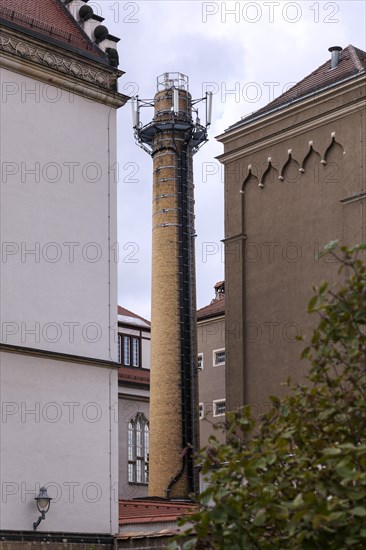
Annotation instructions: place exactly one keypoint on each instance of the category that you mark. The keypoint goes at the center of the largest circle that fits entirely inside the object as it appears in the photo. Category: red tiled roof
(128, 313)
(217, 307)
(48, 18)
(352, 62)
(153, 511)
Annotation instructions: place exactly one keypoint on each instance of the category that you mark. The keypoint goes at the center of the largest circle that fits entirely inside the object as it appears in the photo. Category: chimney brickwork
(167, 464)
(171, 139)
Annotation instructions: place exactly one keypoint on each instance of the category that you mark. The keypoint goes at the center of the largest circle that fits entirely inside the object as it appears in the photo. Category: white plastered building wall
(58, 221)
(59, 429)
(58, 296)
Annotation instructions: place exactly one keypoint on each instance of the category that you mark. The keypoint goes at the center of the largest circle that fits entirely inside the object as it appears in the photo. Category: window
(219, 407)
(200, 361)
(138, 449)
(218, 357)
(129, 351)
(119, 348)
(201, 410)
(126, 351)
(135, 352)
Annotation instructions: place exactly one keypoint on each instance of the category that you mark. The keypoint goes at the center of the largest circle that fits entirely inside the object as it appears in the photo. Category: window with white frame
(138, 450)
(126, 351)
(219, 407)
(129, 350)
(135, 352)
(201, 410)
(218, 357)
(200, 361)
(119, 348)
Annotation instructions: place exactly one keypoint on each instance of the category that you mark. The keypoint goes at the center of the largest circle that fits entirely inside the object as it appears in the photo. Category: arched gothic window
(138, 449)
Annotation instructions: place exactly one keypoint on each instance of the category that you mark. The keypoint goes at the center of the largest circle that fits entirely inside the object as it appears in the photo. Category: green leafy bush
(298, 480)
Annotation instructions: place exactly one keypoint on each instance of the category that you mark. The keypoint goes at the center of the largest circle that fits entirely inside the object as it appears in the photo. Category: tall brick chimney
(171, 138)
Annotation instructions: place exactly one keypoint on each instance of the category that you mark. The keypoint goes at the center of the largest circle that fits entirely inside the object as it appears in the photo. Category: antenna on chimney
(208, 108)
(336, 55)
(135, 112)
(175, 101)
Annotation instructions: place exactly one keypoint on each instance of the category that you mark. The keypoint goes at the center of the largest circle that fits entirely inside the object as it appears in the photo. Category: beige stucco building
(58, 346)
(294, 180)
(211, 366)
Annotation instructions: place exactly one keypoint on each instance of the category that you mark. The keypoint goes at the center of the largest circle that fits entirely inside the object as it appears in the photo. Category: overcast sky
(247, 53)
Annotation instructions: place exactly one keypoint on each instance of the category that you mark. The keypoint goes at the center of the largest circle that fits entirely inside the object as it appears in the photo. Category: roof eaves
(147, 534)
(126, 312)
(149, 519)
(212, 316)
(133, 323)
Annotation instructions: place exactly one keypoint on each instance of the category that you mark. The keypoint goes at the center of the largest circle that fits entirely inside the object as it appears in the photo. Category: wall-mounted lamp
(43, 505)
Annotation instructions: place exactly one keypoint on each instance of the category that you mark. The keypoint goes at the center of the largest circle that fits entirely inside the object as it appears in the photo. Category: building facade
(294, 180)
(58, 353)
(134, 334)
(133, 404)
(211, 366)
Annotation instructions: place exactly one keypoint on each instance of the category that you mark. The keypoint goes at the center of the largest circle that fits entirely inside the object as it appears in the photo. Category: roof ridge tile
(354, 54)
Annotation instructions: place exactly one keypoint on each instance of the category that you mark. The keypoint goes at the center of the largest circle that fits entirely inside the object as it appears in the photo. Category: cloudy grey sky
(247, 53)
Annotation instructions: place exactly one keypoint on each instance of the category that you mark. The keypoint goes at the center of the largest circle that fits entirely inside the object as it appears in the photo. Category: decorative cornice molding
(27, 56)
(285, 135)
(233, 238)
(62, 63)
(56, 356)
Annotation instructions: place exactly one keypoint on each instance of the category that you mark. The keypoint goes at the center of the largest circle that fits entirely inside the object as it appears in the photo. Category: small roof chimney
(219, 291)
(336, 55)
